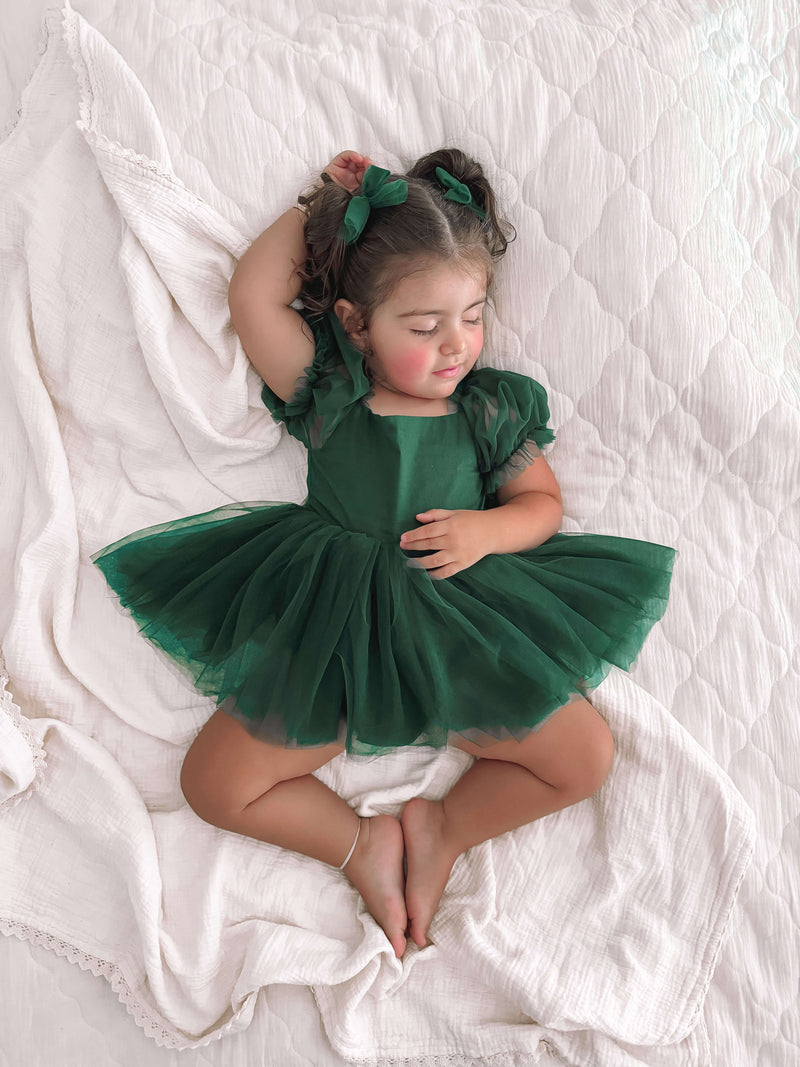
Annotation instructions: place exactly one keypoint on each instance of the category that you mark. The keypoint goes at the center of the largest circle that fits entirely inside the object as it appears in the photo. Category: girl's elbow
(236, 294)
(558, 513)
(551, 502)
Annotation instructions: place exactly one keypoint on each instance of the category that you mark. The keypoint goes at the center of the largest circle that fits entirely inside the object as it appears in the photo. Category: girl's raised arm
(275, 338)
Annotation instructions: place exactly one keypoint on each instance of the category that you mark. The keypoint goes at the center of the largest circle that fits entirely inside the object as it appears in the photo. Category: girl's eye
(431, 332)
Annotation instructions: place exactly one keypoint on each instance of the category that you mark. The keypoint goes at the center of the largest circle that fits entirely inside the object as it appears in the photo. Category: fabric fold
(22, 758)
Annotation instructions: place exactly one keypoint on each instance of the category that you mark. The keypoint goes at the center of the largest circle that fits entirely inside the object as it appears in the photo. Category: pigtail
(398, 238)
(497, 232)
(327, 253)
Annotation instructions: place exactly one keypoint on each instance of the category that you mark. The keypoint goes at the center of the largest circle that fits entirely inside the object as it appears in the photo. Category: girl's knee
(581, 752)
(219, 776)
(597, 757)
(200, 791)
(226, 769)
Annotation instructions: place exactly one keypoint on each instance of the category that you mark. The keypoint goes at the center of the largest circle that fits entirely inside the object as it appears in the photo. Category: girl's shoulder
(507, 412)
(499, 401)
(333, 381)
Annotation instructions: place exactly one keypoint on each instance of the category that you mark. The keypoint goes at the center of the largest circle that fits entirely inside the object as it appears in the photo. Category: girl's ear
(350, 317)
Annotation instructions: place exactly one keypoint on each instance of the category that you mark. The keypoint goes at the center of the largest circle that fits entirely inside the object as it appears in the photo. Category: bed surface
(709, 281)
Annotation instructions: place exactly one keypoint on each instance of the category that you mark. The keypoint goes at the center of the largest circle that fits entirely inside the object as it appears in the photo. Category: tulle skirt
(308, 633)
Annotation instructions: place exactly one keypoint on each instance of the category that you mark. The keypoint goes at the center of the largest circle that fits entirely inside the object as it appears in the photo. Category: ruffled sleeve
(508, 414)
(326, 389)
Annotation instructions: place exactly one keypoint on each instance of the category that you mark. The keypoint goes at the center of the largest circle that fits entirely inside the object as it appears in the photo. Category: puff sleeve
(326, 389)
(508, 415)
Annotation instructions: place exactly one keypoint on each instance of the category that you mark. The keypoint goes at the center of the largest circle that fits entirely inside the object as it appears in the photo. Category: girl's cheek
(477, 346)
(411, 364)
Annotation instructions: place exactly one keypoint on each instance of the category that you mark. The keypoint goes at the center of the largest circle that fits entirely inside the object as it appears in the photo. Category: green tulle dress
(309, 624)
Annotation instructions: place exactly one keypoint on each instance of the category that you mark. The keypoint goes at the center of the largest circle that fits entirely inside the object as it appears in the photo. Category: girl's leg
(239, 783)
(511, 784)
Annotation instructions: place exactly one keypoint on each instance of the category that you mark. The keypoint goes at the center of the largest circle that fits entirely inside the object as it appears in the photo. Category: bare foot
(430, 860)
(376, 870)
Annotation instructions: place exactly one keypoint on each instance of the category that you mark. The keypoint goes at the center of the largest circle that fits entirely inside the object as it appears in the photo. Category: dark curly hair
(397, 239)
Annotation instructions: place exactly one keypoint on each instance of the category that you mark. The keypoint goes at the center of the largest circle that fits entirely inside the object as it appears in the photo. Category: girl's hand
(459, 539)
(347, 169)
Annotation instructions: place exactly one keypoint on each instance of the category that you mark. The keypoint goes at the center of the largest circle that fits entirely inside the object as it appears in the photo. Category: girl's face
(426, 336)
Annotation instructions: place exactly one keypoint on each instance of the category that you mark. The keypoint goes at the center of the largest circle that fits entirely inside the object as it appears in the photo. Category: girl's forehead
(441, 278)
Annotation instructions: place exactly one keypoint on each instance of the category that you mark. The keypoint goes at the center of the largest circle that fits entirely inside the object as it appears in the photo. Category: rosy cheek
(410, 364)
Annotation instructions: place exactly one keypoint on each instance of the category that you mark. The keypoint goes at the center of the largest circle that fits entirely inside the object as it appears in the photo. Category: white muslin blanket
(127, 401)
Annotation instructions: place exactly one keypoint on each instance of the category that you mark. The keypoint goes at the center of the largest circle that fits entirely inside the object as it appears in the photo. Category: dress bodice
(377, 472)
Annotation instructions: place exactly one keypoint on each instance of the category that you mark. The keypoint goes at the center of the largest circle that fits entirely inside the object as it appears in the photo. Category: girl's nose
(453, 343)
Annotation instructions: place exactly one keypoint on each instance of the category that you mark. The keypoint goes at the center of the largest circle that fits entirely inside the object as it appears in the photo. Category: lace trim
(166, 1037)
(154, 1027)
(86, 93)
(229, 234)
(10, 709)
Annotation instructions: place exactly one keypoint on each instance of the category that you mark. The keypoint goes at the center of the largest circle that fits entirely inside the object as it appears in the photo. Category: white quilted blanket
(662, 324)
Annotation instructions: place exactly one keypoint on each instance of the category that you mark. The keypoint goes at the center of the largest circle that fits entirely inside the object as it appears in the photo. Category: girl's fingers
(347, 169)
(446, 572)
(352, 161)
(419, 537)
(430, 563)
(434, 515)
(422, 539)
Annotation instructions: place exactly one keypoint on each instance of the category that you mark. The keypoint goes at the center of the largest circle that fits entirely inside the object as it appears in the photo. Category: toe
(419, 932)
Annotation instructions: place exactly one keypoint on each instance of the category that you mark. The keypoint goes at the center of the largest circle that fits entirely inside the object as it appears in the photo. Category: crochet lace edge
(153, 1027)
(10, 709)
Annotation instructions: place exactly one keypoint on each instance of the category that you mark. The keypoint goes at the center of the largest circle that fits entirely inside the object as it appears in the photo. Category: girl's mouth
(448, 372)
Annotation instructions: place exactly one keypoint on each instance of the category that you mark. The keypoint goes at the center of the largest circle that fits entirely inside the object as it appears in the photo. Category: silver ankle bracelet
(352, 848)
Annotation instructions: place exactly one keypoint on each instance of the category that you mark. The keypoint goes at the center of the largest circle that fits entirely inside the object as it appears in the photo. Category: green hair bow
(375, 192)
(458, 192)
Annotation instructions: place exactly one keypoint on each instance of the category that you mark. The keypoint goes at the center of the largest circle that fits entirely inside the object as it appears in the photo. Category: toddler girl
(422, 594)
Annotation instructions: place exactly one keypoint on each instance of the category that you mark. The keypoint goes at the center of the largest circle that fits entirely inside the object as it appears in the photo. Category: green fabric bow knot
(375, 192)
(458, 192)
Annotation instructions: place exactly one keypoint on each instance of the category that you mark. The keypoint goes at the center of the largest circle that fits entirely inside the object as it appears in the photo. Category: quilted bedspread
(648, 155)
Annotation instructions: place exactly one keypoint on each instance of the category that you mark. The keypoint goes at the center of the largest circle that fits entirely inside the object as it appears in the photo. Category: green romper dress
(309, 624)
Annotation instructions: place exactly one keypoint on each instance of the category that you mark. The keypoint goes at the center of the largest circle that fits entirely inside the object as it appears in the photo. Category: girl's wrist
(522, 523)
(492, 529)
